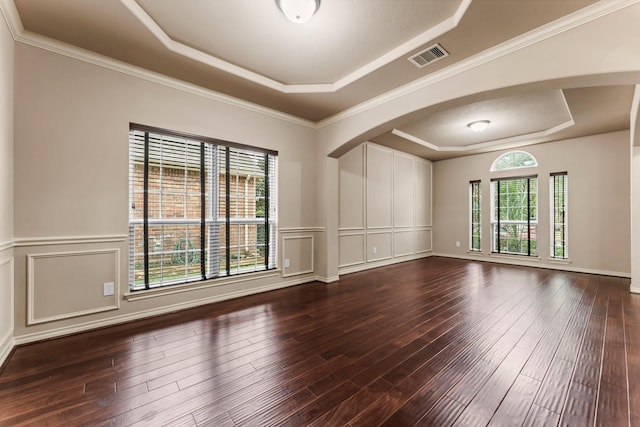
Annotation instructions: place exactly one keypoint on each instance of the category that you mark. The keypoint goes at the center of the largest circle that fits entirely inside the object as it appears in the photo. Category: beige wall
(384, 207)
(71, 195)
(6, 189)
(599, 207)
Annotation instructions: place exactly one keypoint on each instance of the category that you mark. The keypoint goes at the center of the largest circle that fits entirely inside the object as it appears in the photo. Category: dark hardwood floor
(430, 342)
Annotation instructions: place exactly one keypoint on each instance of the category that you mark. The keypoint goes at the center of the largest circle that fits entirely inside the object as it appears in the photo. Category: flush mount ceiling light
(298, 11)
(478, 125)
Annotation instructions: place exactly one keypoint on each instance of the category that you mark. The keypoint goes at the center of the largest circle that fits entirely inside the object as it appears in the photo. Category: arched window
(514, 206)
(514, 160)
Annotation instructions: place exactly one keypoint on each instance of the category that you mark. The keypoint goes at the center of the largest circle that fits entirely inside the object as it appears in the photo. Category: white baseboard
(537, 263)
(327, 279)
(6, 345)
(111, 321)
(383, 263)
(634, 289)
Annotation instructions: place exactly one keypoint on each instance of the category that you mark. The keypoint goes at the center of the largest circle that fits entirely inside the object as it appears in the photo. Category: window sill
(476, 253)
(515, 256)
(194, 286)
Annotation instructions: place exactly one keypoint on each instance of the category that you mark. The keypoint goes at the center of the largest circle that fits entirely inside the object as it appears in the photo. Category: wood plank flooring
(430, 342)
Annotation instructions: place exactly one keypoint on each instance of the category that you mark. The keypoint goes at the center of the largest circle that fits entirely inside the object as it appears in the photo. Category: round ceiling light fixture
(298, 11)
(478, 125)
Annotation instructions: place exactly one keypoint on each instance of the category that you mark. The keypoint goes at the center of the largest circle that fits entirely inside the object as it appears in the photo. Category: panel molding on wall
(427, 238)
(379, 187)
(351, 249)
(383, 242)
(404, 190)
(298, 256)
(396, 203)
(404, 243)
(34, 282)
(6, 339)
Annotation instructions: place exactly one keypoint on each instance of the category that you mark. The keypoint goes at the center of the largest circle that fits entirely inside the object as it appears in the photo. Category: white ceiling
(294, 54)
(351, 52)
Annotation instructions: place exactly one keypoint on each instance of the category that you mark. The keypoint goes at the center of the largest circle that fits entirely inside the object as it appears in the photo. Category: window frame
(552, 215)
(495, 220)
(475, 195)
(270, 208)
(510, 153)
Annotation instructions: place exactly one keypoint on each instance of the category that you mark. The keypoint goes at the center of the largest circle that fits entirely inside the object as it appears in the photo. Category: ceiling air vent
(428, 56)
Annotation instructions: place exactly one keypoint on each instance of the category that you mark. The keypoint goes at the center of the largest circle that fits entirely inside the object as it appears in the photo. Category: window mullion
(145, 214)
(266, 211)
(529, 217)
(203, 210)
(228, 211)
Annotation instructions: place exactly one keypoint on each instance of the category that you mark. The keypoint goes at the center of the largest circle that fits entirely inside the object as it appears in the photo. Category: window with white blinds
(199, 208)
(559, 218)
(475, 213)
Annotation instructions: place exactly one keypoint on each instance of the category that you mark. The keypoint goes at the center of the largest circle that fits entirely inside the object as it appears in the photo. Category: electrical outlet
(458, 243)
(287, 264)
(375, 250)
(108, 289)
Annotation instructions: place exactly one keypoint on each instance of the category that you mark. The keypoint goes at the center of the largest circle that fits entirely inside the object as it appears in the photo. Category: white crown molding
(566, 23)
(19, 34)
(496, 144)
(212, 61)
(583, 16)
(12, 18)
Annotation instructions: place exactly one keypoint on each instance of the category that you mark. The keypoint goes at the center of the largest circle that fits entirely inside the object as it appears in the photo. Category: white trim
(298, 273)
(566, 23)
(93, 58)
(581, 17)
(342, 229)
(561, 261)
(383, 262)
(518, 261)
(382, 229)
(11, 17)
(31, 259)
(187, 287)
(327, 279)
(94, 324)
(496, 144)
(68, 240)
(7, 342)
(363, 252)
(302, 230)
(634, 289)
(215, 62)
(6, 245)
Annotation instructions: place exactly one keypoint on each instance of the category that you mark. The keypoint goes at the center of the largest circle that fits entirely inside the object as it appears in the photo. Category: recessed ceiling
(306, 54)
(509, 117)
(351, 53)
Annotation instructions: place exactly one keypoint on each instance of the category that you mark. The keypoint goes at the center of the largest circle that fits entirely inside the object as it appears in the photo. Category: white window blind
(200, 208)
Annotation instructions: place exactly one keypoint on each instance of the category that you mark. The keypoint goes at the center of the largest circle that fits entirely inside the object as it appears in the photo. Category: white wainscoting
(50, 274)
(6, 317)
(299, 251)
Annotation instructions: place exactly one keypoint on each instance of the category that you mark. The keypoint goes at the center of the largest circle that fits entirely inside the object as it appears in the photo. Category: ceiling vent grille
(428, 56)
